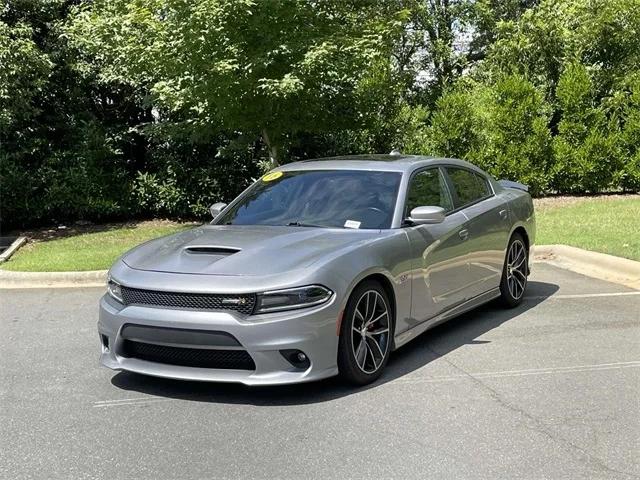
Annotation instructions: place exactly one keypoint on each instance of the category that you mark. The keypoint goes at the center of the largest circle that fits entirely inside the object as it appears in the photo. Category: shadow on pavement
(463, 330)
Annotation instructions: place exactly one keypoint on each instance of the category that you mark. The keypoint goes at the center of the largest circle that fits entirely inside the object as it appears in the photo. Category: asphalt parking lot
(548, 390)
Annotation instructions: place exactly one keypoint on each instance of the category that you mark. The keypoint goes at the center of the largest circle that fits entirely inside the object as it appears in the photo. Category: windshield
(318, 198)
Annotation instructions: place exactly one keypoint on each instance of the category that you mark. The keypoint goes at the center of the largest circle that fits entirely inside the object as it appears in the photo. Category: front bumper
(310, 330)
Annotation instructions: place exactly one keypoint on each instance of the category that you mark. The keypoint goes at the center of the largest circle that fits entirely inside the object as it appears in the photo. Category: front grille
(188, 357)
(198, 301)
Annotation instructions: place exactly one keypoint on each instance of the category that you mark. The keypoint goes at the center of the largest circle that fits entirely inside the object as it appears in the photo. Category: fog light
(296, 358)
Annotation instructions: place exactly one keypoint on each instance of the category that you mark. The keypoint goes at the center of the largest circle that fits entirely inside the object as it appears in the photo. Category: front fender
(389, 257)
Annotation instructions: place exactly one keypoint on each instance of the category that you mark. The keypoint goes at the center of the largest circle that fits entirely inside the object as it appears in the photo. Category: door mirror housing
(217, 208)
(427, 215)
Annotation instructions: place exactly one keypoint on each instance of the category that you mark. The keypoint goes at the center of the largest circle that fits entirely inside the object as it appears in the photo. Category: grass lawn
(607, 224)
(93, 250)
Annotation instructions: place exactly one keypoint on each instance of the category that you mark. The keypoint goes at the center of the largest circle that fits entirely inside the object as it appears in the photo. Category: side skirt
(470, 304)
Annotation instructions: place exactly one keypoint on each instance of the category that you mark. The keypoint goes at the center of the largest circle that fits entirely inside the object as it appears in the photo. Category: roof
(388, 163)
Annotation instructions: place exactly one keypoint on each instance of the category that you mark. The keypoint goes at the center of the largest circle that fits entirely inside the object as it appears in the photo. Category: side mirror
(427, 215)
(216, 208)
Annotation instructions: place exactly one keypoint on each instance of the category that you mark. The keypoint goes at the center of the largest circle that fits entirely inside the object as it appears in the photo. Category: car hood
(244, 250)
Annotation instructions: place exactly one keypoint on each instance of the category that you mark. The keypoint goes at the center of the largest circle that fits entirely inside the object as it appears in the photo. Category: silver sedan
(320, 268)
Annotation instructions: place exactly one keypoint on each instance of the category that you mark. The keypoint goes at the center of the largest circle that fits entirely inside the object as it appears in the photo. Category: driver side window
(428, 188)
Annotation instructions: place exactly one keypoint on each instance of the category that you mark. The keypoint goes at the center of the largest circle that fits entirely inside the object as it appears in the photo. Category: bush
(587, 152)
(502, 128)
(629, 176)
(183, 179)
(63, 187)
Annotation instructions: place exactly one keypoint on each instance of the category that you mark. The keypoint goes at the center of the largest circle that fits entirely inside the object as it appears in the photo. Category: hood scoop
(207, 250)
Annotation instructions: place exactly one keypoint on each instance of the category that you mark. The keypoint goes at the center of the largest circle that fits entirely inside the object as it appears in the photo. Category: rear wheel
(365, 334)
(514, 273)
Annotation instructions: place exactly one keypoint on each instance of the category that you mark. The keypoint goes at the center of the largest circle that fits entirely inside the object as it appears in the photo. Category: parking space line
(522, 373)
(124, 400)
(581, 295)
(129, 401)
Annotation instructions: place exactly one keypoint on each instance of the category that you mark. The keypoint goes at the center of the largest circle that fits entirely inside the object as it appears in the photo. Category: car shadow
(437, 342)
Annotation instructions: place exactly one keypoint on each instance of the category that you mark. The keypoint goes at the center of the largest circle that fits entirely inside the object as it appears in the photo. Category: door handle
(503, 214)
(463, 234)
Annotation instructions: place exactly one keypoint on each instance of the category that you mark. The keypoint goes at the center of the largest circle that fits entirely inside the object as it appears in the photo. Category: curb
(17, 243)
(592, 264)
(95, 278)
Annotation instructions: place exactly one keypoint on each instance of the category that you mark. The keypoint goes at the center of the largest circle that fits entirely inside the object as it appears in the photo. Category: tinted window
(328, 198)
(428, 188)
(469, 186)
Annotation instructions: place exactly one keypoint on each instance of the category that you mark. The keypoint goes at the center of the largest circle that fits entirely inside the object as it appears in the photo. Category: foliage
(553, 103)
(271, 68)
(500, 127)
(183, 180)
(23, 74)
(132, 108)
(587, 157)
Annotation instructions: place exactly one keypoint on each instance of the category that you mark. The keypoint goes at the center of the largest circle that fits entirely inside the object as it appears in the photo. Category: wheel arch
(386, 283)
(520, 229)
(387, 286)
(523, 232)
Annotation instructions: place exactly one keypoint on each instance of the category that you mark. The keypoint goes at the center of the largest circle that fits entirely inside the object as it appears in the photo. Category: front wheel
(365, 334)
(514, 273)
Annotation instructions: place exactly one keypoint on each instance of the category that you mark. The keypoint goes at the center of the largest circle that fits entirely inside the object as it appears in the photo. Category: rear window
(469, 187)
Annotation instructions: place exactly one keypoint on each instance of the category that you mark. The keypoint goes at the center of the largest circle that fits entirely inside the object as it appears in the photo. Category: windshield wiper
(300, 224)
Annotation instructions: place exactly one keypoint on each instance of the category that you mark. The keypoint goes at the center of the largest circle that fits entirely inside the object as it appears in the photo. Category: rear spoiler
(515, 185)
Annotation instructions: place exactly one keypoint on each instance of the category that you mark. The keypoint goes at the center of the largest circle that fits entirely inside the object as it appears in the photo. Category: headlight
(114, 289)
(291, 298)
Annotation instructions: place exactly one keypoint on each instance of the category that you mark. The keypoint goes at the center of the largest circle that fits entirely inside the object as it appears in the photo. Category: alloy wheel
(517, 269)
(370, 331)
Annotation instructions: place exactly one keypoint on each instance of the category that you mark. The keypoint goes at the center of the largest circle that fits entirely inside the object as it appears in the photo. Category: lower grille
(189, 357)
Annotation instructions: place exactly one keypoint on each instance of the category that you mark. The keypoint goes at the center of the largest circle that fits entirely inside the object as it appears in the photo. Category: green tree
(64, 139)
(585, 147)
(24, 73)
(629, 122)
(273, 68)
(583, 55)
(515, 141)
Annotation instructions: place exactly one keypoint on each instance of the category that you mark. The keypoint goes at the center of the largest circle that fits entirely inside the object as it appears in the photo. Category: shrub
(502, 128)
(182, 179)
(586, 147)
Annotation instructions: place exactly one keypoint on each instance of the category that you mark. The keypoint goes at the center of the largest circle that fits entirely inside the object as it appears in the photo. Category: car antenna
(395, 152)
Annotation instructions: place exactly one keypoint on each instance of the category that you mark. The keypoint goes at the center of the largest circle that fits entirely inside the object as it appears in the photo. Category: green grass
(88, 251)
(601, 224)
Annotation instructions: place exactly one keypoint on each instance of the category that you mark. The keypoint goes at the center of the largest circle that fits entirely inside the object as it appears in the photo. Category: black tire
(348, 366)
(514, 272)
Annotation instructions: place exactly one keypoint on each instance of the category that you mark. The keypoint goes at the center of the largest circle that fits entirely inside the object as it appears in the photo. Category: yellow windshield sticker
(271, 176)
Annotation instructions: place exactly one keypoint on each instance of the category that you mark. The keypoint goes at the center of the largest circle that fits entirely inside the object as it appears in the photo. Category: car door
(486, 228)
(439, 263)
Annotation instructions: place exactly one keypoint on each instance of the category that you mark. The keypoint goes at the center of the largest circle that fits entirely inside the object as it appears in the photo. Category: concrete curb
(593, 264)
(9, 279)
(599, 265)
(18, 242)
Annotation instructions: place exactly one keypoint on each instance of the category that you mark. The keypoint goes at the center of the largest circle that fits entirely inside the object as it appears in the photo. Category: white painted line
(522, 373)
(118, 403)
(125, 400)
(582, 295)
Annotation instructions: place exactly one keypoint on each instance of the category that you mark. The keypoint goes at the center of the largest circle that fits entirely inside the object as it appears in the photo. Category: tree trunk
(273, 149)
